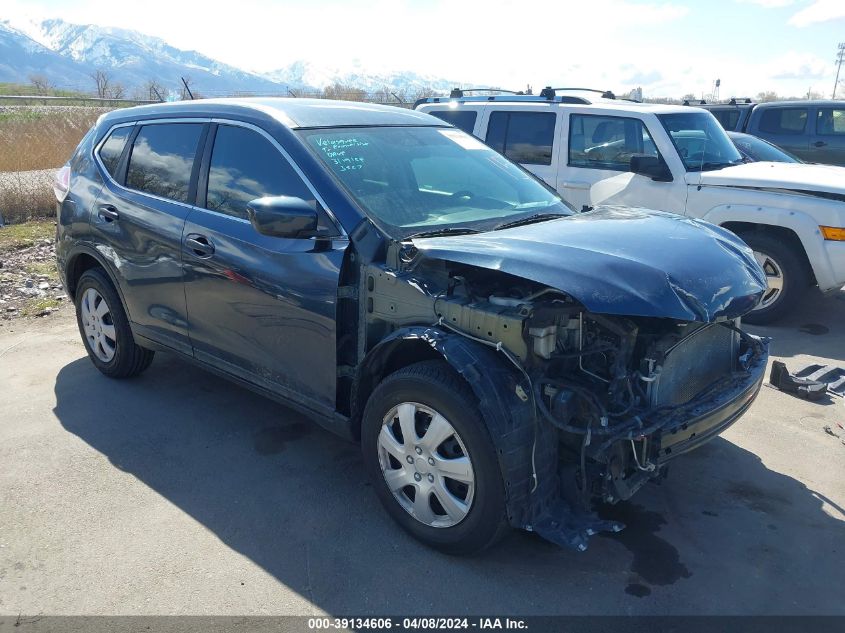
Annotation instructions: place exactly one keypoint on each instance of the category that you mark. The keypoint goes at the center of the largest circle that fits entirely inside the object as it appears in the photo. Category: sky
(669, 48)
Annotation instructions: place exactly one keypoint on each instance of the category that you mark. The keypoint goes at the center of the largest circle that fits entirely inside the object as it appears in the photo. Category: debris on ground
(780, 378)
(29, 282)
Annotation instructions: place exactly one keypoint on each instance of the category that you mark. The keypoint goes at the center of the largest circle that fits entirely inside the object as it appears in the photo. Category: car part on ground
(806, 387)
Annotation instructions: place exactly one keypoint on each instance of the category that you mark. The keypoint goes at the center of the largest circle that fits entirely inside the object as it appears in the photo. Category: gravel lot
(179, 493)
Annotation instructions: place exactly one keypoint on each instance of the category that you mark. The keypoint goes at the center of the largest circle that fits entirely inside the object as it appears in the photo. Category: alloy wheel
(774, 279)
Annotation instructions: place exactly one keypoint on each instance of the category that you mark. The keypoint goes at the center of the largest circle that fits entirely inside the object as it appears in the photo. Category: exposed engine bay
(621, 395)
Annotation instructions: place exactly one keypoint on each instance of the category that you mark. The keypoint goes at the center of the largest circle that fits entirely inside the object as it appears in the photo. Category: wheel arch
(496, 384)
(786, 234)
(84, 259)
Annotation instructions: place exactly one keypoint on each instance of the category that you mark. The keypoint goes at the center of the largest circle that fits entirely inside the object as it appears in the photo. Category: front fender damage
(527, 450)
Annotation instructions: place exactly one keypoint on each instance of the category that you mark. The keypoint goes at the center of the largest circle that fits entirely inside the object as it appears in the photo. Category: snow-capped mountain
(66, 54)
(133, 58)
(306, 74)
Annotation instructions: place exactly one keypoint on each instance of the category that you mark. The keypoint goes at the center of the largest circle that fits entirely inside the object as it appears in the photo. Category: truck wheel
(785, 274)
(105, 329)
(431, 460)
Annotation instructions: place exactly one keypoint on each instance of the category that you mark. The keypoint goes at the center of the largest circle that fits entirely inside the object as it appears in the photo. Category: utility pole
(840, 57)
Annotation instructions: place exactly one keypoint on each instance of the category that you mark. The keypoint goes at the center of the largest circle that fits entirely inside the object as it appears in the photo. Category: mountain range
(66, 55)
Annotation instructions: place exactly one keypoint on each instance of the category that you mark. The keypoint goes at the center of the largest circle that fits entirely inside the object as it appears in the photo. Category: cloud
(767, 4)
(819, 11)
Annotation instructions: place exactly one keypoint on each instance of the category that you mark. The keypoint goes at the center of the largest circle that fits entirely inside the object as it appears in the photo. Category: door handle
(819, 143)
(108, 212)
(200, 245)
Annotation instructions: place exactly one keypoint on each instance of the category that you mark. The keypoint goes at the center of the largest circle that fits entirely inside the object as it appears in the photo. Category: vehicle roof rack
(550, 93)
(697, 102)
(457, 93)
(736, 100)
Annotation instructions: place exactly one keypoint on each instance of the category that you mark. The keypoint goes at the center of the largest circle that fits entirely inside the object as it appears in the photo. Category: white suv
(596, 149)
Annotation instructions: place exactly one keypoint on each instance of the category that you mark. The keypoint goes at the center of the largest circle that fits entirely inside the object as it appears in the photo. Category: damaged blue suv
(503, 360)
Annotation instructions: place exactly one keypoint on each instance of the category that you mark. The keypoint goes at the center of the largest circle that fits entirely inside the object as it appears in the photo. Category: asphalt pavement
(180, 493)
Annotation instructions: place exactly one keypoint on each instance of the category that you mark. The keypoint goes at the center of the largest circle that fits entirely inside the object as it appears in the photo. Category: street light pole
(840, 57)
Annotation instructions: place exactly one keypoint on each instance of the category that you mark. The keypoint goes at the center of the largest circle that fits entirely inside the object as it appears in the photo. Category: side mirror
(653, 167)
(283, 216)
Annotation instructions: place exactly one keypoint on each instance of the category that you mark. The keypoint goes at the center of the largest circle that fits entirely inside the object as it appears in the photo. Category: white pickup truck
(601, 150)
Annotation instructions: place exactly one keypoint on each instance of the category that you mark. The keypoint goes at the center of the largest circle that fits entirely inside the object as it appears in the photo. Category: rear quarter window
(524, 137)
(162, 158)
(783, 121)
(461, 119)
(112, 149)
(727, 118)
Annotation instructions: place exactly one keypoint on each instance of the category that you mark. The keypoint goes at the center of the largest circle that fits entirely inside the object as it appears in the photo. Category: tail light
(61, 183)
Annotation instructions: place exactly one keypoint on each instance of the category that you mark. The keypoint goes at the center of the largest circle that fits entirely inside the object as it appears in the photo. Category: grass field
(36, 138)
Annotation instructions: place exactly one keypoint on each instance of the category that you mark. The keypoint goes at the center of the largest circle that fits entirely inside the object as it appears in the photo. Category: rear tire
(105, 328)
(785, 273)
(445, 452)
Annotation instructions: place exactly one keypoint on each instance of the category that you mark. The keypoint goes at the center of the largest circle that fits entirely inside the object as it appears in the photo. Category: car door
(827, 144)
(787, 127)
(526, 137)
(595, 164)
(261, 308)
(138, 220)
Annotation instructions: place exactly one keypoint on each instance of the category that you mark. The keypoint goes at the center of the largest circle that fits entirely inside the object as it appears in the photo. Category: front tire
(431, 460)
(786, 277)
(105, 328)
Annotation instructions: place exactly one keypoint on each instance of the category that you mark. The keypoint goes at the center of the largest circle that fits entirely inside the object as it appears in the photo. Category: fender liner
(515, 431)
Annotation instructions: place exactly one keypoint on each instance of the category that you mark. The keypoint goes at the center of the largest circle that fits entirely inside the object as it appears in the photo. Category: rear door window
(245, 166)
(162, 159)
(524, 137)
(727, 118)
(461, 119)
(607, 142)
(112, 149)
(783, 120)
(830, 121)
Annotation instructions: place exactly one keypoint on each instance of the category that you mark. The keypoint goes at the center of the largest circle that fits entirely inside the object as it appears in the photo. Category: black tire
(129, 358)
(435, 385)
(794, 272)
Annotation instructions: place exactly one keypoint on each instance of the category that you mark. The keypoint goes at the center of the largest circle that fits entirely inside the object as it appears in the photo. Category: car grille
(693, 364)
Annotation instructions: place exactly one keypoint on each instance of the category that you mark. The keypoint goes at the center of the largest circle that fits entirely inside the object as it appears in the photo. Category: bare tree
(41, 83)
(103, 82)
(767, 95)
(341, 91)
(117, 91)
(154, 91)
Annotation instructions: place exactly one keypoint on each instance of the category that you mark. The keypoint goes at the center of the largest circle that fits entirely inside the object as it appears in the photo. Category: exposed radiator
(694, 363)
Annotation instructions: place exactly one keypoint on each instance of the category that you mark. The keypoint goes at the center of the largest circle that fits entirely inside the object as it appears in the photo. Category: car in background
(408, 287)
(595, 149)
(812, 130)
(756, 149)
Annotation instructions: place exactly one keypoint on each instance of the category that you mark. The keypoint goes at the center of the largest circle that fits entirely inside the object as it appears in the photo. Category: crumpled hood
(618, 260)
(789, 176)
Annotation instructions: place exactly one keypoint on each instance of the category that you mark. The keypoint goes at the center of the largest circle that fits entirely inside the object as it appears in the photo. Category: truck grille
(694, 363)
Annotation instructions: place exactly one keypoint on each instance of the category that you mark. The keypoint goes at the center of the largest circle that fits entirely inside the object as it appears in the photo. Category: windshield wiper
(708, 166)
(531, 219)
(446, 230)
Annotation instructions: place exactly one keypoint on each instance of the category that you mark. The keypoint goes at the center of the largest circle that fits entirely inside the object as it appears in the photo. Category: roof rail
(549, 93)
(457, 93)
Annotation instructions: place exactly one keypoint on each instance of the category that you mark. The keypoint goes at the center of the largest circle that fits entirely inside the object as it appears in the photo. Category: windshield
(412, 180)
(701, 142)
(757, 149)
